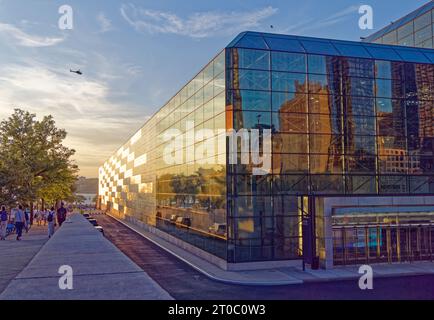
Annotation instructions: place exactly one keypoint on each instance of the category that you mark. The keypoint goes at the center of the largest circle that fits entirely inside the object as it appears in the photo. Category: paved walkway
(100, 270)
(282, 276)
(16, 255)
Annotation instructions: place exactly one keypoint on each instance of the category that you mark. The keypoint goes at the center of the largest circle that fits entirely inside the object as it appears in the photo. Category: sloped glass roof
(298, 44)
(411, 16)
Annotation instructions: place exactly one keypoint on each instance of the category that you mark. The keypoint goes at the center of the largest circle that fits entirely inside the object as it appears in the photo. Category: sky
(135, 55)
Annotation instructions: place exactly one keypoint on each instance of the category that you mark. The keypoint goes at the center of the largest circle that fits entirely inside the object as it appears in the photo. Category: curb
(205, 273)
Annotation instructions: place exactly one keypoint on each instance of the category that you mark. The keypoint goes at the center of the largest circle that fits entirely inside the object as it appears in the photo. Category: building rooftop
(399, 23)
(298, 44)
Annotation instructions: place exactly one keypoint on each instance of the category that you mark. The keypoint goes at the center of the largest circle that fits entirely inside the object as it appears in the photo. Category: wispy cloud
(104, 23)
(26, 40)
(312, 24)
(198, 24)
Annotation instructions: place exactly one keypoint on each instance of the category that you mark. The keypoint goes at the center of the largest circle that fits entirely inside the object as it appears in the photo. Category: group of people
(20, 218)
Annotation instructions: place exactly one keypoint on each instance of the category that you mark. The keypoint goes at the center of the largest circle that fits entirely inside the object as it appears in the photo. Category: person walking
(20, 220)
(3, 223)
(61, 214)
(27, 218)
(51, 222)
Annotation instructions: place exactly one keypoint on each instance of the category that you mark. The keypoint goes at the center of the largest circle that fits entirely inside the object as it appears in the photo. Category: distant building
(414, 30)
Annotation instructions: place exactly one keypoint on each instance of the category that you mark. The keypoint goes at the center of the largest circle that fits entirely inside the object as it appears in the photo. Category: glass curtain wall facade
(413, 30)
(184, 197)
(347, 119)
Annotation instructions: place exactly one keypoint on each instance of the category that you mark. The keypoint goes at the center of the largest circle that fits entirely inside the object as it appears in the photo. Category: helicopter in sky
(76, 71)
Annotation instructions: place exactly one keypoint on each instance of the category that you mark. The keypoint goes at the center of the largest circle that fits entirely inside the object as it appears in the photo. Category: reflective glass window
(412, 55)
(317, 64)
(422, 21)
(390, 38)
(291, 82)
(405, 30)
(352, 50)
(289, 62)
(251, 100)
(423, 34)
(290, 163)
(252, 79)
(281, 44)
(252, 120)
(407, 41)
(361, 184)
(289, 102)
(253, 59)
(290, 122)
(383, 53)
(319, 47)
(252, 42)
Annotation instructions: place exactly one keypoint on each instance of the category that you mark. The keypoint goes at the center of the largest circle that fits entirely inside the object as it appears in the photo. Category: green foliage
(34, 164)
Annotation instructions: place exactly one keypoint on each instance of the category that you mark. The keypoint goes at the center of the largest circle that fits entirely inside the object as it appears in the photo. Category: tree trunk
(31, 213)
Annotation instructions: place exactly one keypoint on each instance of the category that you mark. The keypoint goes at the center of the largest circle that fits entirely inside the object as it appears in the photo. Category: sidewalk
(100, 270)
(282, 276)
(16, 255)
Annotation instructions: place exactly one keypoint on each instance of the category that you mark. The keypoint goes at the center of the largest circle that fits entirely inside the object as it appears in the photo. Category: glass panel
(390, 38)
(352, 50)
(288, 184)
(412, 55)
(317, 64)
(251, 42)
(251, 120)
(251, 100)
(289, 62)
(407, 41)
(290, 122)
(360, 106)
(325, 144)
(361, 185)
(280, 44)
(291, 82)
(290, 163)
(423, 34)
(393, 184)
(219, 63)
(252, 79)
(422, 21)
(253, 59)
(383, 53)
(405, 30)
(290, 143)
(289, 102)
(319, 47)
(360, 145)
(362, 87)
(327, 184)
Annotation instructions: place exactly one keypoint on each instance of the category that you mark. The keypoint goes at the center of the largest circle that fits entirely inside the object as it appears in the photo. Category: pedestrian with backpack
(51, 223)
(3, 223)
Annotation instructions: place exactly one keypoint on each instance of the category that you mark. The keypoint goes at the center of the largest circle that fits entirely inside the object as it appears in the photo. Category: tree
(34, 163)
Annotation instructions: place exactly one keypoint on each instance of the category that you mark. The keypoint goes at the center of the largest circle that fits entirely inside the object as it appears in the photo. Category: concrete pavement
(16, 255)
(282, 276)
(100, 270)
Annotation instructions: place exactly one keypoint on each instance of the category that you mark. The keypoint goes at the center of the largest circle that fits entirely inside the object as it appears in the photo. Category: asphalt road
(185, 283)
